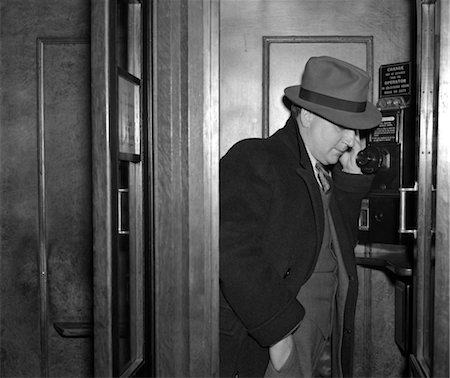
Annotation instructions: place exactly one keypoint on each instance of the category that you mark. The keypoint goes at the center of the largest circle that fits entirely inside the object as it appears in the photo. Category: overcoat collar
(295, 143)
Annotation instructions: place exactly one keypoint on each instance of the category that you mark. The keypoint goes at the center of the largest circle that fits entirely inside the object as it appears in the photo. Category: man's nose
(349, 137)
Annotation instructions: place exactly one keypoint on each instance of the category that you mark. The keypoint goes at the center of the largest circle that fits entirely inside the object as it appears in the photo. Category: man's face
(325, 140)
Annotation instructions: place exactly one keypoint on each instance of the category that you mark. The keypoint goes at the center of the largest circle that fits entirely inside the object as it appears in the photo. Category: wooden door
(263, 48)
(119, 114)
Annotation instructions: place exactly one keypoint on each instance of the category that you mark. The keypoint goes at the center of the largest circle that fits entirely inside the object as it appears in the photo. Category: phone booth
(388, 215)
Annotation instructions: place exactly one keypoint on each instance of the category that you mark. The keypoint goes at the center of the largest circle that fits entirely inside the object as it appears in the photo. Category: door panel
(66, 198)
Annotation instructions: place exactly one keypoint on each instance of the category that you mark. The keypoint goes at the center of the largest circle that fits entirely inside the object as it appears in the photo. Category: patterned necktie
(324, 177)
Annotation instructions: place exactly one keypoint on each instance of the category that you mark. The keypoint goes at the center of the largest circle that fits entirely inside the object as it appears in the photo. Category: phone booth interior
(387, 213)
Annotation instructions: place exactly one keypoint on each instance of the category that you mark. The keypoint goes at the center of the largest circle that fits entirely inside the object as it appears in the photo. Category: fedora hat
(337, 91)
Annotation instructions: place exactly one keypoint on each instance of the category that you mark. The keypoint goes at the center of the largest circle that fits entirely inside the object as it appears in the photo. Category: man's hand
(348, 158)
(280, 352)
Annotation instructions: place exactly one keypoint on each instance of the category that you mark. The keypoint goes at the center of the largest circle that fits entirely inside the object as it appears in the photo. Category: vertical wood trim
(186, 157)
(42, 200)
(148, 186)
(170, 166)
(137, 263)
(203, 92)
(268, 40)
(367, 316)
(42, 211)
(426, 61)
(102, 188)
(266, 85)
(198, 259)
(212, 156)
(441, 306)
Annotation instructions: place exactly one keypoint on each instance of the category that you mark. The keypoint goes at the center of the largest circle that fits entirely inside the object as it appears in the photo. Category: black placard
(387, 130)
(395, 79)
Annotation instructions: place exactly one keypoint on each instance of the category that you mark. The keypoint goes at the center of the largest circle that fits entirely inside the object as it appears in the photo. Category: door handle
(402, 211)
(122, 212)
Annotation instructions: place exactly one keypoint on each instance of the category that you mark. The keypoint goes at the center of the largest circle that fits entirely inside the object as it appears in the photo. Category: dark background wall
(45, 186)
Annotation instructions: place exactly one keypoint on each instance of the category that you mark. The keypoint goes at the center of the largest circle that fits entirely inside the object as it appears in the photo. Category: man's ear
(306, 117)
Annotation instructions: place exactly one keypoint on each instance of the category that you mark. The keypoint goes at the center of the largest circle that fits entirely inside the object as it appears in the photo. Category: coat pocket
(232, 342)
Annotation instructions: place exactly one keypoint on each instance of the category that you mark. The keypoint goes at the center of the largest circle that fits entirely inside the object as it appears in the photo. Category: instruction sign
(395, 79)
(387, 130)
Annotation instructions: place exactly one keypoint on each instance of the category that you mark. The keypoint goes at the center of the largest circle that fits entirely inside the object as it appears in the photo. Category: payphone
(387, 214)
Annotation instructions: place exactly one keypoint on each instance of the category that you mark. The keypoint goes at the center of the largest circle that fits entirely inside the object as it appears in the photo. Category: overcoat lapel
(305, 171)
(316, 202)
(344, 240)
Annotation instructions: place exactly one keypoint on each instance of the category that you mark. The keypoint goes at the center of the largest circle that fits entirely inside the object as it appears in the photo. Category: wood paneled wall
(45, 254)
(244, 24)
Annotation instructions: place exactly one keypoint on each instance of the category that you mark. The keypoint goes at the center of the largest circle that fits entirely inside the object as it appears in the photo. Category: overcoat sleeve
(350, 189)
(247, 279)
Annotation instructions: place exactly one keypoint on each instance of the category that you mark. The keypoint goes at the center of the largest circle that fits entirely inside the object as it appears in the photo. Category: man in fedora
(288, 226)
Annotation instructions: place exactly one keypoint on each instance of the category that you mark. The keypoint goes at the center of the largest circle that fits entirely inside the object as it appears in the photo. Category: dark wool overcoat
(271, 229)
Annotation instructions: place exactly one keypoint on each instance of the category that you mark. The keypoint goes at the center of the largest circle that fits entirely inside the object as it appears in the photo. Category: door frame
(441, 312)
(102, 196)
(186, 187)
(431, 299)
(183, 137)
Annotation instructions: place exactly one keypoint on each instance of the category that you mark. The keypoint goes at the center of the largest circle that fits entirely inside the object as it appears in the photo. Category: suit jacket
(271, 229)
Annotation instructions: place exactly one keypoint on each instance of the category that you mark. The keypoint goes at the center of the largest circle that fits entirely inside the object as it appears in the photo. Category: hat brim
(368, 119)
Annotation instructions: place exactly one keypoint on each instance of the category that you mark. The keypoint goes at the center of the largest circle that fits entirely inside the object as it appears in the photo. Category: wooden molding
(41, 43)
(269, 40)
(185, 163)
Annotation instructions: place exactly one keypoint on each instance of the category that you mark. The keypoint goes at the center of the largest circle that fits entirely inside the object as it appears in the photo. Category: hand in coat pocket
(283, 360)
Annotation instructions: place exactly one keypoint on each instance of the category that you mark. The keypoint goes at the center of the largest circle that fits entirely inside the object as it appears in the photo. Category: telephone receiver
(372, 158)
